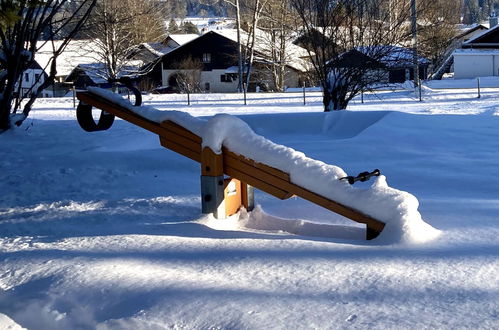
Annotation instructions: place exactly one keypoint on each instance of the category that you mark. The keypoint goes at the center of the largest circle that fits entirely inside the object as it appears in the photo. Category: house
(150, 53)
(399, 62)
(94, 74)
(31, 79)
(389, 64)
(467, 33)
(76, 52)
(479, 56)
(216, 55)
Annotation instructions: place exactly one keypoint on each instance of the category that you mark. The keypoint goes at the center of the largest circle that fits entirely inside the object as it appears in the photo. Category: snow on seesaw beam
(397, 209)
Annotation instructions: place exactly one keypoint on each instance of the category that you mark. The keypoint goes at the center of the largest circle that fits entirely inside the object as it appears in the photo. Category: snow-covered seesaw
(234, 160)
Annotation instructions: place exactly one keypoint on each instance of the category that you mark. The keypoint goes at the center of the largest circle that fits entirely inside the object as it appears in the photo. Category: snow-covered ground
(104, 230)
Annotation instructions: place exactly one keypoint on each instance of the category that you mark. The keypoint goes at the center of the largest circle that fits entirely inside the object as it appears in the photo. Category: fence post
(244, 91)
(74, 97)
(362, 96)
(188, 95)
(304, 96)
(478, 85)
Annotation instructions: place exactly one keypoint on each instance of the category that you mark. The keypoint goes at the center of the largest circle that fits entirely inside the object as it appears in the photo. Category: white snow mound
(397, 209)
(6, 323)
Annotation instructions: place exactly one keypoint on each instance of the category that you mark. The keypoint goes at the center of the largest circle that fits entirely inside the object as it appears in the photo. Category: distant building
(149, 55)
(76, 52)
(94, 74)
(392, 64)
(479, 56)
(31, 80)
(467, 33)
(216, 51)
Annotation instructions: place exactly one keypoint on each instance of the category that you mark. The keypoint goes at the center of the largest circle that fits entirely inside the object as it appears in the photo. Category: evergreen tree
(189, 27)
(173, 27)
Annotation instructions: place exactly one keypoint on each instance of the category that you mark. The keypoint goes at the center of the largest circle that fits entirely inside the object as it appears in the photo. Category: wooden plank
(336, 207)
(271, 170)
(171, 126)
(196, 156)
(181, 140)
(254, 172)
(257, 183)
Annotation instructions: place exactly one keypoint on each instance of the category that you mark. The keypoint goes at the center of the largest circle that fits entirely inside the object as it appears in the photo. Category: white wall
(28, 80)
(213, 78)
(472, 66)
(216, 85)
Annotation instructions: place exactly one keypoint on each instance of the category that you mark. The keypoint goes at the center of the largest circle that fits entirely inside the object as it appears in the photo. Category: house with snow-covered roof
(479, 56)
(149, 53)
(94, 74)
(393, 64)
(216, 51)
(76, 52)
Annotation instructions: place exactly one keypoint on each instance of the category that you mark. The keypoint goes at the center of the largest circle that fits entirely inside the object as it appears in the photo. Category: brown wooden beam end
(211, 163)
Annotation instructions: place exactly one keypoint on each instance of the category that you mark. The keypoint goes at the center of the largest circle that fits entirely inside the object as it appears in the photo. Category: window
(37, 76)
(207, 86)
(225, 78)
(26, 77)
(228, 77)
(206, 57)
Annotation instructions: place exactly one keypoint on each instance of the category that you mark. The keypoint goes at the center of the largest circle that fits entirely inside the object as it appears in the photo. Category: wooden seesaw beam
(214, 166)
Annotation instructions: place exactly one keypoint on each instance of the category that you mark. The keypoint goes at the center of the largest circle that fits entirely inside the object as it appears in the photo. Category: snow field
(104, 231)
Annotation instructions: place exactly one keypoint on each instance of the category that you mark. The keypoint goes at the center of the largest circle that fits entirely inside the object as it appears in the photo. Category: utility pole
(414, 20)
(239, 48)
(415, 59)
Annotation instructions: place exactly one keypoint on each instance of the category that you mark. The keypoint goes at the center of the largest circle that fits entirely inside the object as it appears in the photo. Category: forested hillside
(472, 11)
(202, 8)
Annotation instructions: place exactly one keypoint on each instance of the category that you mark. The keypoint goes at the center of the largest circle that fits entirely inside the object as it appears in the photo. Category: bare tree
(279, 22)
(438, 27)
(254, 9)
(118, 26)
(23, 23)
(188, 76)
(236, 5)
(348, 39)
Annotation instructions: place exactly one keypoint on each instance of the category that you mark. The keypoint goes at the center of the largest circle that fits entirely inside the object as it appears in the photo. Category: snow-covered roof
(157, 48)
(98, 74)
(232, 69)
(76, 52)
(467, 29)
(182, 39)
(491, 30)
(393, 56)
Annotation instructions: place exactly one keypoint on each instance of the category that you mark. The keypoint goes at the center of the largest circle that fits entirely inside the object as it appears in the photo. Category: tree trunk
(5, 104)
(335, 98)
